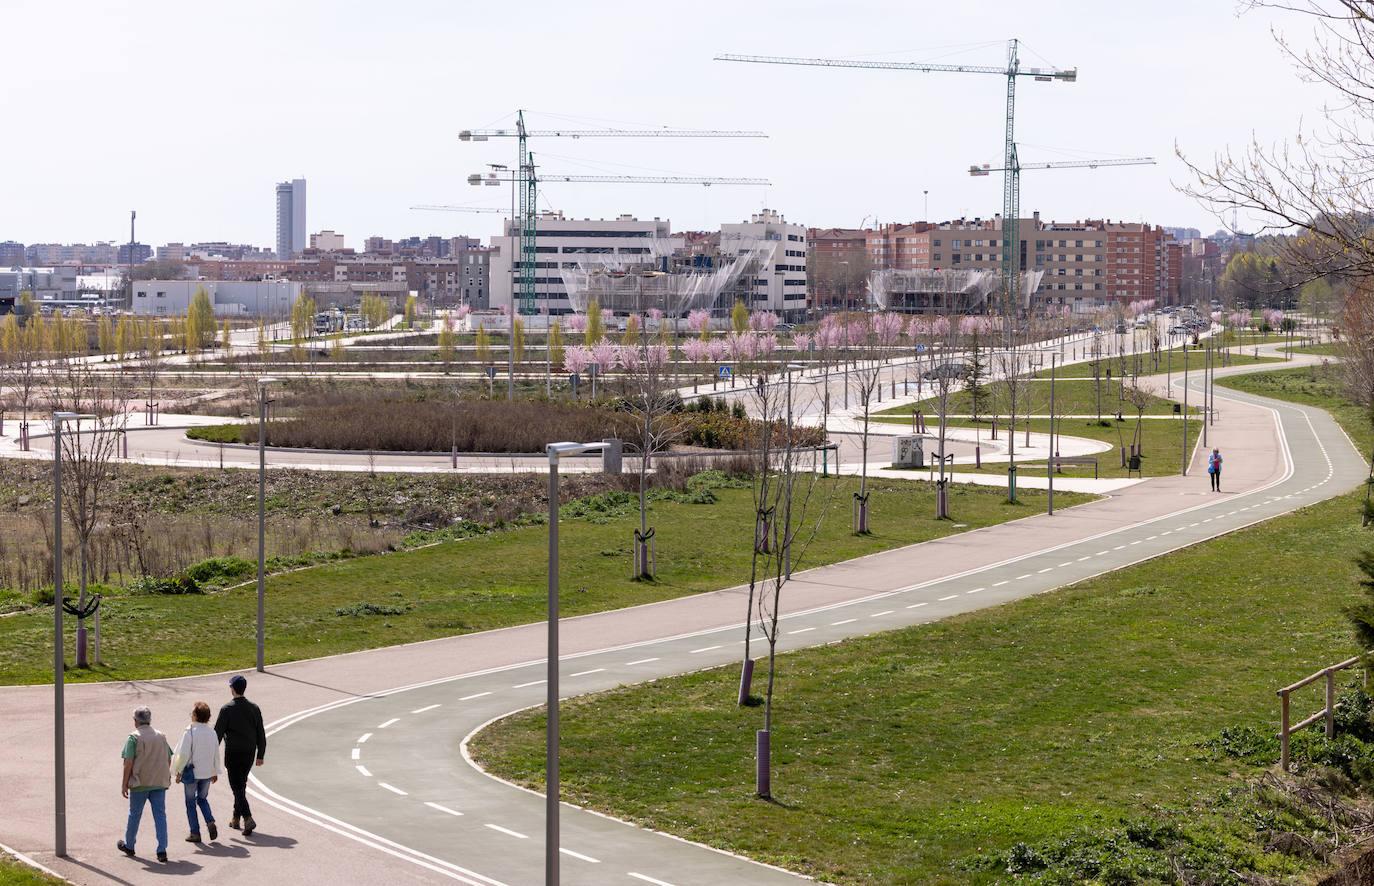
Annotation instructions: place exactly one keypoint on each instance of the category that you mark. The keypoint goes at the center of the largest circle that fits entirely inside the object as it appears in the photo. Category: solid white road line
(392, 788)
(471, 697)
(703, 649)
(531, 683)
(364, 737)
(389, 722)
(515, 834)
(585, 673)
(423, 709)
(363, 770)
(647, 879)
(443, 809)
(640, 661)
(579, 855)
(357, 752)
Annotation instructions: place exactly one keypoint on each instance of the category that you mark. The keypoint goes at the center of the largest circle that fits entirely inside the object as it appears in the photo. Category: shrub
(182, 584)
(223, 434)
(219, 569)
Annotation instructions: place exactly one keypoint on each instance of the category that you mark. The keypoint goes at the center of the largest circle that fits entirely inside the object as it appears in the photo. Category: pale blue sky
(191, 112)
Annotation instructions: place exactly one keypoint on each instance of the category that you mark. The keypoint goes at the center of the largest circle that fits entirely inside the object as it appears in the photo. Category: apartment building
(778, 279)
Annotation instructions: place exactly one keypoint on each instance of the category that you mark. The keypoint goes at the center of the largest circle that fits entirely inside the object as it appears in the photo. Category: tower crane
(1011, 196)
(438, 207)
(1066, 164)
(525, 180)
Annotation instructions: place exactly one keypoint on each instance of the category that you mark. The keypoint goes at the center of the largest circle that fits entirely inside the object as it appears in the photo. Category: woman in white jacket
(197, 764)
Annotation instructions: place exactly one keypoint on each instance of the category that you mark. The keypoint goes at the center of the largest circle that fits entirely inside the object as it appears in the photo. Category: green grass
(1169, 361)
(1073, 397)
(16, 873)
(1314, 386)
(491, 581)
(899, 755)
(217, 433)
(1161, 444)
(1329, 349)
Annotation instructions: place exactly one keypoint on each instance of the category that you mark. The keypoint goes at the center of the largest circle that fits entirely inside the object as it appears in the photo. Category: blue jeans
(158, 800)
(198, 794)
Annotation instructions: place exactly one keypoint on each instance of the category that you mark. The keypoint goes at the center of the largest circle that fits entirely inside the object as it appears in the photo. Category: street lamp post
(1050, 475)
(262, 514)
(58, 659)
(555, 451)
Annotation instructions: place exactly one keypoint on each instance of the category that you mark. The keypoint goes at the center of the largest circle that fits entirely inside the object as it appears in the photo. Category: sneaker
(234, 822)
(193, 838)
(249, 826)
(127, 850)
(162, 857)
(214, 831)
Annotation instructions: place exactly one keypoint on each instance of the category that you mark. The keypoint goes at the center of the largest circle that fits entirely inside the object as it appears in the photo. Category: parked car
(1179, 329)
(1120, 327)
(945, 370)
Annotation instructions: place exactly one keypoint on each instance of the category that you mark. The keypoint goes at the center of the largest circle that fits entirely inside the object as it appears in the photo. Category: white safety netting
(633, 284)
(955, 290)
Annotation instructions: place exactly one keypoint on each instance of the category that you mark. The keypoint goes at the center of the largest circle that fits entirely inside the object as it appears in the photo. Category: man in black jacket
(239, 726)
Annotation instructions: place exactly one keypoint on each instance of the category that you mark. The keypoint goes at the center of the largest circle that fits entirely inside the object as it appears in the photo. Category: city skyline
(215, 183)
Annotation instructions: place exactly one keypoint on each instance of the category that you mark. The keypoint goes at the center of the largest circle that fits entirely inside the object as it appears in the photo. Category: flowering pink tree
(576, 359)
(577, 323)
(763, 321)
(699, 321)
(697, 352)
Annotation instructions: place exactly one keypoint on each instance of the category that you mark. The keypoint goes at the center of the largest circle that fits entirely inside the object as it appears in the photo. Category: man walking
(1214, 469)
(239, 726)
(147, 775)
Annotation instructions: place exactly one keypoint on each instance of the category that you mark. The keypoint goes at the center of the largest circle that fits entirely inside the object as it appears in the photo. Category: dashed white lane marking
(943, 599)
(530, 683)
(1137, 541)
(1081, 559)
(1118, 547)
(1100, 553)
(357, 753)
(362, 739)
(974, 591)
(647, 879)
(585, 673)
(362, 770)
(1043, 571)
(640, 661)
(474, 695)
(915, 605)
(884, 612)
(392, 788)
(998, 584)
(443, 809)
(1021, 577)
(1152, 538)
(846, 621)
(801, 630)
(515, 834)
(579, 855)
(1065, 563)
(389, 722)
(703, 649)
(425, 708)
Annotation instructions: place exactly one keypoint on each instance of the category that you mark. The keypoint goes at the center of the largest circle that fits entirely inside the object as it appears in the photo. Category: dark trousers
(1216, 481)
(239, 764)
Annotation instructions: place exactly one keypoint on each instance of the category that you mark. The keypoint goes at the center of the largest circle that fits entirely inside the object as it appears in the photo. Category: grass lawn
(1162, 445)
(899, 755)
(1076, 396)
(490, 581)
(16, 873)
(1169, 361)
(1328, 349)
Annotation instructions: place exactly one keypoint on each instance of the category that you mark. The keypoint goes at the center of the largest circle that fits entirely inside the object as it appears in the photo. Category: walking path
(365, 780)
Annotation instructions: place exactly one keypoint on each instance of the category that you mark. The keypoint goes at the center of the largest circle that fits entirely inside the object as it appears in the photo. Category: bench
(1061, 460)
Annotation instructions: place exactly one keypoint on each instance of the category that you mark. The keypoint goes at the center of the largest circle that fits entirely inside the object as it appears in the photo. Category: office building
(327, 241)
(133, 253)
(290, 218)
(11, 254)
(230, 298)
(778, 276)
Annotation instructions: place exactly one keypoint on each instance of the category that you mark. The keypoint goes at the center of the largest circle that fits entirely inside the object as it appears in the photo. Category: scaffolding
(945, 291)
(635, 284)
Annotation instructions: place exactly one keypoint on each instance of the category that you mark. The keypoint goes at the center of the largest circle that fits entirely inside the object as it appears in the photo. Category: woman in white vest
(197, 765)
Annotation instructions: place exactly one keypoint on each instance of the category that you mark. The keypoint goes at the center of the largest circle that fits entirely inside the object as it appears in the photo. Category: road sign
(920, 349)
(491, 372)
(725, 372)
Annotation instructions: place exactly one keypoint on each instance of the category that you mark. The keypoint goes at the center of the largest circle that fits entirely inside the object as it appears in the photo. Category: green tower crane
(1011, 181)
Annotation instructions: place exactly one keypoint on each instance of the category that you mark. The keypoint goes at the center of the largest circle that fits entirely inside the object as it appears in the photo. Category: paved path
(365, 779)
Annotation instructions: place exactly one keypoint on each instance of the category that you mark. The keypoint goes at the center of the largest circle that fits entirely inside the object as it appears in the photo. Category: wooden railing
(1327, 713)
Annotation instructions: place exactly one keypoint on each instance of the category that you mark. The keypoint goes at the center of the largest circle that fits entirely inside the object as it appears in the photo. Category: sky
(190, 112)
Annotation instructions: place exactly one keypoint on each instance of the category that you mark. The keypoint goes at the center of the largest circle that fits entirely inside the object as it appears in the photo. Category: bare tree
(790, 501)
(658, 423)
(1012, 365)
(22, 343)
(874, 339)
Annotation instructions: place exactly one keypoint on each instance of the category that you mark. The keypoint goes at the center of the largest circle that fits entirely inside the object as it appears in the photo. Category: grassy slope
(15, 873)
(1315, 386)
(1075, 397)
(1170, 361)
(465, 586)
(1016, 723)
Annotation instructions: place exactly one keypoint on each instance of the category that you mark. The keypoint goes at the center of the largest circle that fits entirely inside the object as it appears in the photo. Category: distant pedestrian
(147, 775)
(1214, 469)
(239, 726)
(196, 764)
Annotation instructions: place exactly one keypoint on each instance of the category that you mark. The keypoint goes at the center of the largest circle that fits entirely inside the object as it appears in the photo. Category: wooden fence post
(1283, 729)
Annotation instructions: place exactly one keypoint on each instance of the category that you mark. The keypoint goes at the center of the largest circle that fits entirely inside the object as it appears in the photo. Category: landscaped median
(487, 578)
(1083, 725)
